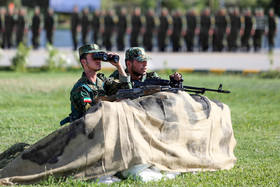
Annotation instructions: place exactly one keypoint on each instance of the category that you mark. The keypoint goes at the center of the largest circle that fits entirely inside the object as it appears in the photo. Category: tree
(174, 4)
(276, 5)
(34, 3)
(146, 4)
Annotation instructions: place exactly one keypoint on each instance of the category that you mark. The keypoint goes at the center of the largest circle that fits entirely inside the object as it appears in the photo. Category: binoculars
(106, 57)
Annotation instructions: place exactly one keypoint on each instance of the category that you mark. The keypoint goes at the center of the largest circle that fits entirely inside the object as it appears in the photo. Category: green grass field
(32, 104)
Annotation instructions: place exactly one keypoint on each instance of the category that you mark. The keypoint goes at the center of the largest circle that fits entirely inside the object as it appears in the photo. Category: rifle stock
(110, 98)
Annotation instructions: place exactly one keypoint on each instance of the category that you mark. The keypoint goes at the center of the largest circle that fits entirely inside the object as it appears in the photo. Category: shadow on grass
(11, 153)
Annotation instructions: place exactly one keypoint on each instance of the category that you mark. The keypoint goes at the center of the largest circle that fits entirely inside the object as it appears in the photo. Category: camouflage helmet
(137, 53)
(89, 48)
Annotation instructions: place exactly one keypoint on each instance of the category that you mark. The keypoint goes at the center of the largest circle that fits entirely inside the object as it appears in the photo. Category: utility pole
(158, 6)
(222, 3)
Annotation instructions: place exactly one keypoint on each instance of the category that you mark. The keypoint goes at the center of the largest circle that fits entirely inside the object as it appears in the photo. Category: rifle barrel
(203, 90)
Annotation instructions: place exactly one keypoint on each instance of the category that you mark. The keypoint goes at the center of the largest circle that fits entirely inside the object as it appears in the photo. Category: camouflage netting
(172, 131)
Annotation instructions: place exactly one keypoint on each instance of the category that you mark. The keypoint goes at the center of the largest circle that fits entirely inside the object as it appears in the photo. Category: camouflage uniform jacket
(149, 75)
(84, 92)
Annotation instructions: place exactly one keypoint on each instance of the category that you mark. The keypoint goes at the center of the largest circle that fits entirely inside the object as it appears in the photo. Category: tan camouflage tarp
(172, 131)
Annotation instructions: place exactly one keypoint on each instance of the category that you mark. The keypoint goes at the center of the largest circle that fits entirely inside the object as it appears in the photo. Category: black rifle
(135, 93)
(154, 85)
(178, 84)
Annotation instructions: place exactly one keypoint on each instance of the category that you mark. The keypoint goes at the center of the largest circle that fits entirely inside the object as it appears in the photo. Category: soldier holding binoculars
(93, 85)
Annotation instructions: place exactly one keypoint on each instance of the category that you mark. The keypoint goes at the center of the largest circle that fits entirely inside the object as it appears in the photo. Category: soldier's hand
(176, 80)
(114, 59)
(176, 76)
(117, 64)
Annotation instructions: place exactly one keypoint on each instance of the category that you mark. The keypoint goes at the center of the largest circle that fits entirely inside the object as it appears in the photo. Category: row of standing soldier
(221, 31)
(14, 26)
